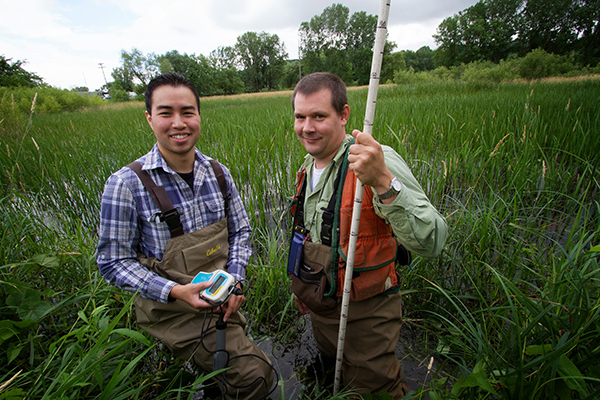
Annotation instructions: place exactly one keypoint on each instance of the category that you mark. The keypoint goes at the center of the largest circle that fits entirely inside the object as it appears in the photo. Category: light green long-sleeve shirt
(414, 220)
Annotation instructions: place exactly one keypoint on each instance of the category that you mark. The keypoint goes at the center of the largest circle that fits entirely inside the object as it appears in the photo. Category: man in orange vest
(394, 210)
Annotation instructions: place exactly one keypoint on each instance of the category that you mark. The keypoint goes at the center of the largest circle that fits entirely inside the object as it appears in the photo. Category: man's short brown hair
(316, 81)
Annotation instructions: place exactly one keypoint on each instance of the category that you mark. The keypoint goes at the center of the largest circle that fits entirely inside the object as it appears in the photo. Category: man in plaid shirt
(137, 253)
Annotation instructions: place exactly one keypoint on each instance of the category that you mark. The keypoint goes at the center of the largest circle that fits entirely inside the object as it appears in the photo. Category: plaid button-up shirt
(129, 223)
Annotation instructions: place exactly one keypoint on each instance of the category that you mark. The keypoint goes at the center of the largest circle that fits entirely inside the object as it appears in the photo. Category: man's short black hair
(168, 79)
(316, 81)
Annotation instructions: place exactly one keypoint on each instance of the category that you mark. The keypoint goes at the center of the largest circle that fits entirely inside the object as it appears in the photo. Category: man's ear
(345, 114)
(148, 117)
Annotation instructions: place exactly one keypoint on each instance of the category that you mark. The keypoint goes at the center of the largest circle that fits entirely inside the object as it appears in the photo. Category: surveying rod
(380, 37)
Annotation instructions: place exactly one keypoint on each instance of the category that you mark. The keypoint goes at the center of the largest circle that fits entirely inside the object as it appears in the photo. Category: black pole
(220, 356)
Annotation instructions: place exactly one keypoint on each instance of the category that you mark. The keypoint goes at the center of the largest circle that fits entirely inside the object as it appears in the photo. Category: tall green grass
(511, 305)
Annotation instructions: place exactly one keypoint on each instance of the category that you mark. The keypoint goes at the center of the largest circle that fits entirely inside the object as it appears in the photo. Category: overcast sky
(64, 41)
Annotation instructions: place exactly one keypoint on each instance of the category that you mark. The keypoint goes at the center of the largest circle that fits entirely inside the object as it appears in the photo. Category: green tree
(549, 25)
(420, 60)
(338, 42)
(118, 93)
(483, 31)
(139, 67)
(197, 69)
(212, 75)
(587, 23)
(261, 57)
(326, 31)
(449, 43)
(123, 78)
(223, 57)
(13, 74)
(359, 43)
(392, 62)
(291, 74)
(541, 64)
(493, 30)
(488, 35)
(228, 78)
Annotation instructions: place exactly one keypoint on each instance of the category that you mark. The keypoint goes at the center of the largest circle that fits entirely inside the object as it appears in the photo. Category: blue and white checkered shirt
(128, 222)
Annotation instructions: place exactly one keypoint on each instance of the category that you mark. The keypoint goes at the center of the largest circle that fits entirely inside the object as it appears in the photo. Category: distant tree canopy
(420, 60)
(338, 42)
(256, 62)
(12, 74)
(493, 30)
(261, 57)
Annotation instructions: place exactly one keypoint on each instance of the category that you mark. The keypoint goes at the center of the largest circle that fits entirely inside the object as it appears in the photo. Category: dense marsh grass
(511, 306)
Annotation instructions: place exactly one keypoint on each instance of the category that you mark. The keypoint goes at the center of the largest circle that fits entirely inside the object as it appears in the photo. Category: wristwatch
(395, 187)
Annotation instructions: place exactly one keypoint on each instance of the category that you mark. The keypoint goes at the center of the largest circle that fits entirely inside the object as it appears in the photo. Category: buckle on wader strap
(329, 220)
(162, 200)
(169, 214)
(171, 217)
(326, 227)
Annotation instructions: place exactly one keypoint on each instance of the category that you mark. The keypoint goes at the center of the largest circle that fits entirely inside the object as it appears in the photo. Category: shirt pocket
(214, 211)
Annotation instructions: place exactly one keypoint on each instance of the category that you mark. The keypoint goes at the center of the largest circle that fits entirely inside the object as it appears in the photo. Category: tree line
(334, 41)
(340, 42)
(13, 74)
(337, 41)
(494, 30)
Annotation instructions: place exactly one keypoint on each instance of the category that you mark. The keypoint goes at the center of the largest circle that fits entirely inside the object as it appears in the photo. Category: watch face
(395, 187)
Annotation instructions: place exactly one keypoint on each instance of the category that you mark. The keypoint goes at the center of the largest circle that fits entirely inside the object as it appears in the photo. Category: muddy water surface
(293, 360)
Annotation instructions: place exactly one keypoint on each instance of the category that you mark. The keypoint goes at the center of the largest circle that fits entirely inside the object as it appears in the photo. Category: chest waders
(206, 249)
(374, 318)
(180, 325)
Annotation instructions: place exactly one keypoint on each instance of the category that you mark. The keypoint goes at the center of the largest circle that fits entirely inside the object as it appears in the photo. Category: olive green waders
(182, 327)
(369, 363)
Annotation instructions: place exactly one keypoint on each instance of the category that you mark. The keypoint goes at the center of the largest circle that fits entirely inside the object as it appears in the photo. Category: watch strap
(392, 191)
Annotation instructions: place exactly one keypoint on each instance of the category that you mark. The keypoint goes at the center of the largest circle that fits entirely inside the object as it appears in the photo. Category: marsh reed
(509, 310)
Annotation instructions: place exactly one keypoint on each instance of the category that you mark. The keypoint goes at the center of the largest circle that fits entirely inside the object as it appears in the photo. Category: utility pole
(105, 82)
(102, 68)
(86, 85)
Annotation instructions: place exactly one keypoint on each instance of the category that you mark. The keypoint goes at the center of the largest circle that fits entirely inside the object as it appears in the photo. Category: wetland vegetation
(509, 310)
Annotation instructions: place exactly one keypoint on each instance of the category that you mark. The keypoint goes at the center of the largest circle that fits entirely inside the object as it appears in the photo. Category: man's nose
(178, 121)
(309, 125)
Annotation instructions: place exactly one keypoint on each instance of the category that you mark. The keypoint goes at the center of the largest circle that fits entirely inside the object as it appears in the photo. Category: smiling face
(320, 128)
(175, 120)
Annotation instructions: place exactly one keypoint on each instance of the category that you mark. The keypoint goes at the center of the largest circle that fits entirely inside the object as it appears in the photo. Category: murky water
(292, 361)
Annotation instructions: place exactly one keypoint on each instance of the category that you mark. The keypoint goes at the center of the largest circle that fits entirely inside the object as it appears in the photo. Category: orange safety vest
(376, 248)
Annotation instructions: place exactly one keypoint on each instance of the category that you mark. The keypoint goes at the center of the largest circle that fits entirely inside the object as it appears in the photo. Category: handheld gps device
(221, 289)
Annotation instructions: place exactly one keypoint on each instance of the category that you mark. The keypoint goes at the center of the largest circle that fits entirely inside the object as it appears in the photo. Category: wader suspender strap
(169, 214)
(329, 212)
(222, 184)
(299, 216)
